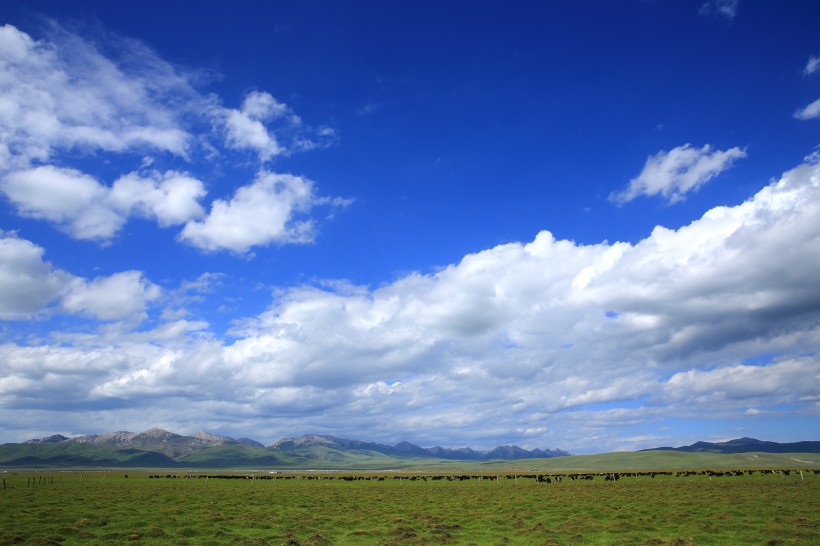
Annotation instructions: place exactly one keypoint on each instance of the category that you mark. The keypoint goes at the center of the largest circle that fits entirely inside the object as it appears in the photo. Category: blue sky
(582, 225)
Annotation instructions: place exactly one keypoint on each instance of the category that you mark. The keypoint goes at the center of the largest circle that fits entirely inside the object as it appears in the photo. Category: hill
(745, 445)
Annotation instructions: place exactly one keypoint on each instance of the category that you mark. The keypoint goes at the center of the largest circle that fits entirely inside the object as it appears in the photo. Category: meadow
(154, 507)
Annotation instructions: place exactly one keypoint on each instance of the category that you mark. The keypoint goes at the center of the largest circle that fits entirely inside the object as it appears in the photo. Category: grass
(107, 507)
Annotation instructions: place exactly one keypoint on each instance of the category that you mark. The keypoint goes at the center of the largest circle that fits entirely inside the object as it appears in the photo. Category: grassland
(394, 508)
(657, 460)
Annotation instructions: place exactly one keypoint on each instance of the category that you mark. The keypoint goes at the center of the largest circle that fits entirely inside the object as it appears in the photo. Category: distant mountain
(157, 447)
(157, 440)
(217, 440)
(305, 444)
(48, 440)
(745, 445)
(249, 442)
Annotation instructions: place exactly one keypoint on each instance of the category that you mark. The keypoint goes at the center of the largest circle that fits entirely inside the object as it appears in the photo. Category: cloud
(546, 335)
(790, 380)
(812, 66)
(31, 287)
(272, 209)
(120, 296)
(27, 283)
(245, 128)
(73, 200)
(62, 98)
(171, 198)
(809, 112)
(676, 172)
(368, 108)
(269, 127)
(66, 96)
(87, 209)
(725, 8)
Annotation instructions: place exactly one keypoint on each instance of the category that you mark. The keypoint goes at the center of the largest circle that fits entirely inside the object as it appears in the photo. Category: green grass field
(108, 508)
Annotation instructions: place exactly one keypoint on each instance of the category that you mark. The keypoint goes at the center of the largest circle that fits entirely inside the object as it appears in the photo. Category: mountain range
(157, 447)
(745, 445)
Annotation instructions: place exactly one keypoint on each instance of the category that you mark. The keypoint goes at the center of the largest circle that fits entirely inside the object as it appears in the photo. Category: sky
(585, 225)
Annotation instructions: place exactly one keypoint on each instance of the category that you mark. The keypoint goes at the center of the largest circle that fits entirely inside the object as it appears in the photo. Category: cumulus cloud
(116, 297)
(27, 283)
(69, 198)
(30, 286)
(676, 172)
(530, 320)
(87, 209)
(246, 128)
(272, 209)
(61, 97)
(547, 335)
(171, 198)
(809, 112)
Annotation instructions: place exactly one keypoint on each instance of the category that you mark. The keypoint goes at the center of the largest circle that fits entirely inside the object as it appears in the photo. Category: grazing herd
(540, 478)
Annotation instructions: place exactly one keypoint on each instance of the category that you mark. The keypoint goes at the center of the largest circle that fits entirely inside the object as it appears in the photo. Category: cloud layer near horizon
(536, 337)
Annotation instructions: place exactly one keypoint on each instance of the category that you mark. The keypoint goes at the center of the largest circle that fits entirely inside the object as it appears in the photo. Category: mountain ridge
(177, 447)
(745, 445)
(159, 448)
(406, 449)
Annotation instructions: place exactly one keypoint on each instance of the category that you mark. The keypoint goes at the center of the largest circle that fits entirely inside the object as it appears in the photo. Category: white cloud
(61, 97)
(87, 209)
(71, 96)
(524, 336)
(525, 325)
(172, 198)
(27, 283)
(117, 297)
(71, 199)
(30, 286)
(269, 127)
(725, 8)
(812, 66)
(775, 383)
(272, 209)
(809, 112)
(677, 172)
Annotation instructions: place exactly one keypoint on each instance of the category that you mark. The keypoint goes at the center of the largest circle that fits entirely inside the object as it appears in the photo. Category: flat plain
(172, 507)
